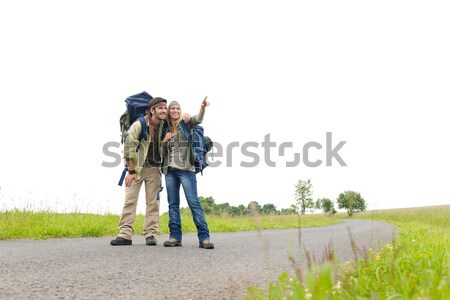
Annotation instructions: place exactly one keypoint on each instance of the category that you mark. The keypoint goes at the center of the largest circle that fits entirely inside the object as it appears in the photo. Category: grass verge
(18, 224)
(415, 266)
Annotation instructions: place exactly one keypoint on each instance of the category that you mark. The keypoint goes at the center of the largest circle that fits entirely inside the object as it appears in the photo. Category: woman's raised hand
(205, 102)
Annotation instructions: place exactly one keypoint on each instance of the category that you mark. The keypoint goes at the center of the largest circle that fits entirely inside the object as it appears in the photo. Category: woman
(178, 168)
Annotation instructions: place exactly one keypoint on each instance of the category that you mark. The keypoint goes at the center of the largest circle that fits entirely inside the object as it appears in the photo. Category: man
(143, 166)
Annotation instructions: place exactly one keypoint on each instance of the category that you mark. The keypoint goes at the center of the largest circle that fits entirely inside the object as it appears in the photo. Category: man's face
(160, 111)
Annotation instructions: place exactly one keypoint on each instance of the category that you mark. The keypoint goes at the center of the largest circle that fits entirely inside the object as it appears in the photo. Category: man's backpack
(201, 145)
(136, 107)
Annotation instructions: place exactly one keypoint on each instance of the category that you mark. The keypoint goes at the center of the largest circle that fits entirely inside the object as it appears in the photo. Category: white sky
(375, 74)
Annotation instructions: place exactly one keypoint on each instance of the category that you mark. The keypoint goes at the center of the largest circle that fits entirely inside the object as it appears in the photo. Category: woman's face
(175, 112)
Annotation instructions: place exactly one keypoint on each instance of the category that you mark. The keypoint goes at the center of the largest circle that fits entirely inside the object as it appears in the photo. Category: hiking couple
(170, 152)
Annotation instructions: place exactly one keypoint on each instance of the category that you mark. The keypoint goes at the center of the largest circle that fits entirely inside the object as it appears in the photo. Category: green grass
(244, 223)
(415, 266)
(18, 224)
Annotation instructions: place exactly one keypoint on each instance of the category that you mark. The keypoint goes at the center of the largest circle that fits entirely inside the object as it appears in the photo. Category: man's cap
(157, 100)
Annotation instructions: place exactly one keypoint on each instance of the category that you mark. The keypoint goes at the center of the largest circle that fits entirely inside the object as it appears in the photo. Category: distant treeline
(211, 208)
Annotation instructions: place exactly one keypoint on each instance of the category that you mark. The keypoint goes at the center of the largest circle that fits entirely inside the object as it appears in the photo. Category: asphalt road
(89, 268)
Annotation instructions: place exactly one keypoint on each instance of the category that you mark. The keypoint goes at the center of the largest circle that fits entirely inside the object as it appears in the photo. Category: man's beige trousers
(152, 179)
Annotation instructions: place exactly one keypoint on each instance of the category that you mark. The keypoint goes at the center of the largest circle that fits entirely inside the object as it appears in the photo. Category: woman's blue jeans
(189, 182)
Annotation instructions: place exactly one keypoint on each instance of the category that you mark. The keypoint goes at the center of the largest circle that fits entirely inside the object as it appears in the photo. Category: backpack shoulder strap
(165, 128)
(143, 134)
(186, 131)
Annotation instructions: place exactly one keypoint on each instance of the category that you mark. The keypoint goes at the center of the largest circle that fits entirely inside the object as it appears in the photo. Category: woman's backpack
(201, 145)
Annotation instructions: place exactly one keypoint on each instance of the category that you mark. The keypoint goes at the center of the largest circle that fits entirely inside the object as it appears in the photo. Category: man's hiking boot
(150, 241)
(120, 241)
(206, 244)
(172, 243)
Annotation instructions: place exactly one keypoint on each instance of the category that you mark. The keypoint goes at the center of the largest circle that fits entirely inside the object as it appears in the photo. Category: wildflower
(388, 246)
(347, 263)
(308, 295)
(377, 257)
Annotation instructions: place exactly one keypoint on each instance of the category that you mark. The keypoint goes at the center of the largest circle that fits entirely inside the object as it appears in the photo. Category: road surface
(89, 268)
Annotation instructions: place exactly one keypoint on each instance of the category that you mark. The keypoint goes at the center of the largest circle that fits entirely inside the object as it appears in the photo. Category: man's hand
(186, 117)
(129, 179)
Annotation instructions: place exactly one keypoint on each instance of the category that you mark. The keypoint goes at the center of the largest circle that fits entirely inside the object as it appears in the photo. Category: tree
(326, 205)
(303, 193)
(352, 202)
(254, 208)
(235, 211)
(207, 204)
(243, 210)
(222, 209)
(269, 209)
(288, 211)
